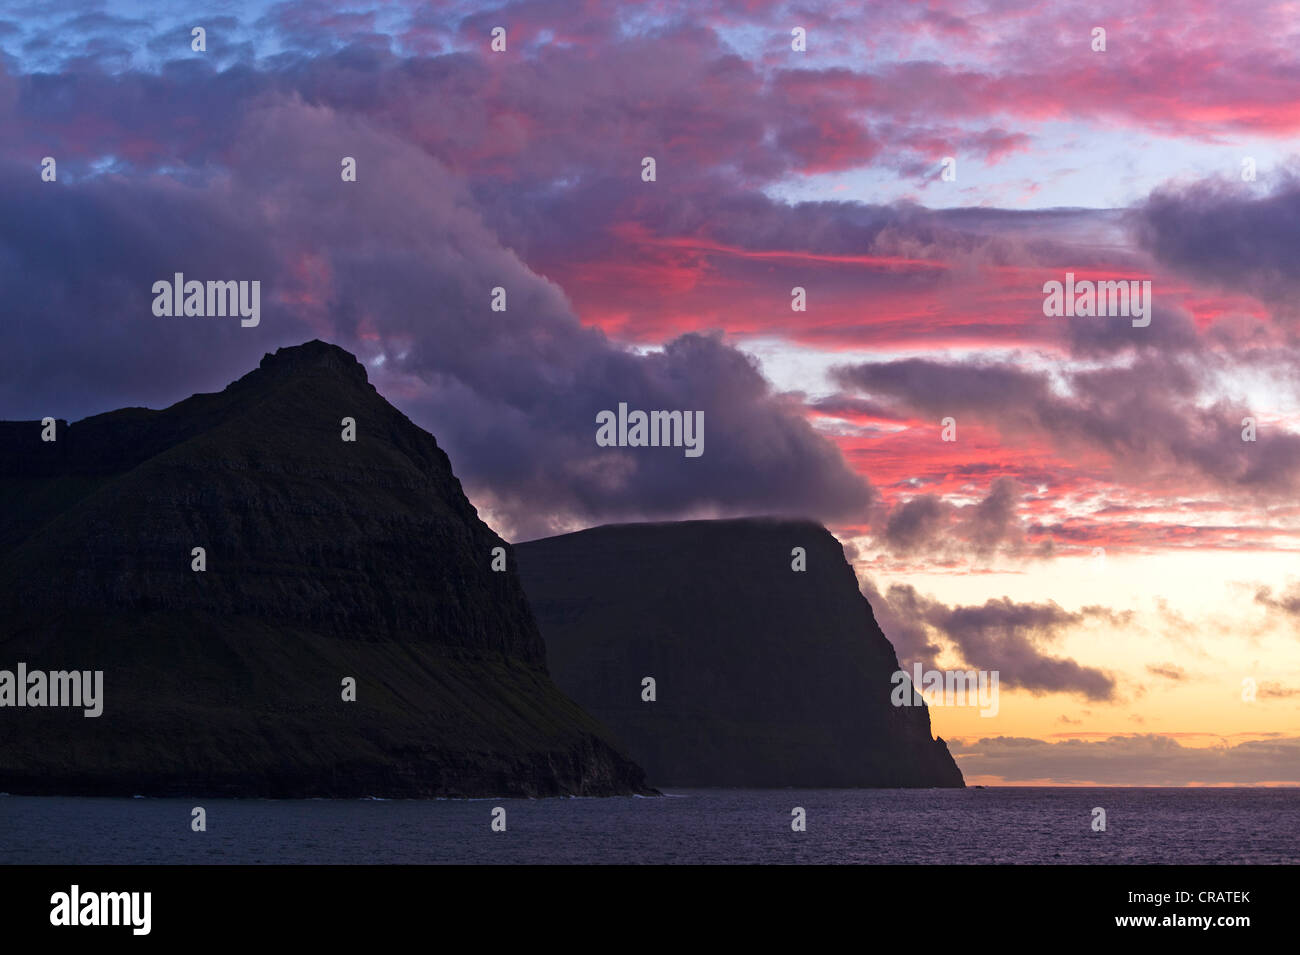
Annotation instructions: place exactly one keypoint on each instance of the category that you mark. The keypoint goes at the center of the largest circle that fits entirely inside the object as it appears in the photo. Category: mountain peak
(234, 562)
(312, 357)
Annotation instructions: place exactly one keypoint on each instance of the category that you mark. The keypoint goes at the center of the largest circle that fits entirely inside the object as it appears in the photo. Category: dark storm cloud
(994, 521)
(398, 265)
(1171, 331)
(1008, 636)
(915, 524)
(1147, 416)
(234, 172)
(1228, 233)
(1001, 635)
(928, 524)
(902, 619)
(939, 388)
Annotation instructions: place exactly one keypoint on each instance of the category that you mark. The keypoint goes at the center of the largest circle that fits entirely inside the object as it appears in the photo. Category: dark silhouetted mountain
(765, 676)
(325, 560)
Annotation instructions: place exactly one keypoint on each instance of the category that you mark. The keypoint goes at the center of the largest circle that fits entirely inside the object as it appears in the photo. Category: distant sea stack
(324, 560)
(764, 676)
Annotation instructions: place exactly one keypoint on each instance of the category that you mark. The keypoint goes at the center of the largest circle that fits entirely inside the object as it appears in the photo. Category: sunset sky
(1099, 532)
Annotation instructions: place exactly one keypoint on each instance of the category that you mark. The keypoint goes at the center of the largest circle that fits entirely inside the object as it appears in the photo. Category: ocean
(929, 826)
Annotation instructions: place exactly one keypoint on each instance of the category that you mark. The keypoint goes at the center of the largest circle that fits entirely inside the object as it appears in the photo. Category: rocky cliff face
(325, 559)
(765, 676)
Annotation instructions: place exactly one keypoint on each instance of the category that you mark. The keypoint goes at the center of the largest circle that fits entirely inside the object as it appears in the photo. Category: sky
(1098, 531)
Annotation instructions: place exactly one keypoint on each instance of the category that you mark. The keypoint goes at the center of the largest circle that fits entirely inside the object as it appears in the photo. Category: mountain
(325, 559)
(764, 676)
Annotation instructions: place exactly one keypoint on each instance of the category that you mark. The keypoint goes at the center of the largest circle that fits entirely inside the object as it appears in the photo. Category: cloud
(478, 169)
(1287, 603)
(1140, 760)
(1148, 416)
(927, 524)
(397, 267)
(900, 614)
(1001, 635)
(993, 523)
(1228, 233)
(915, 524)
(1169, 671)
